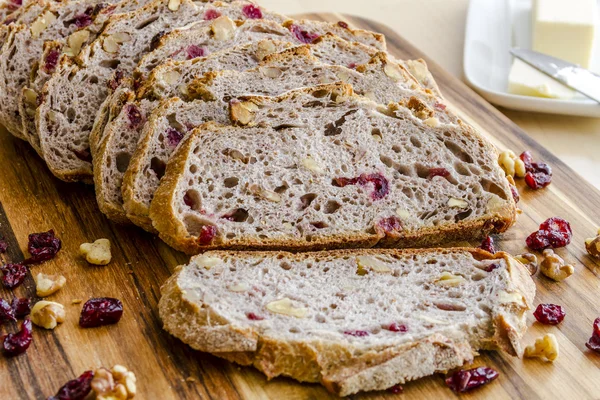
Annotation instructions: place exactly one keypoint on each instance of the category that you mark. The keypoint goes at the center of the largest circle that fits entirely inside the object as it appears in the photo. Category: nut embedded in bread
(312, 317)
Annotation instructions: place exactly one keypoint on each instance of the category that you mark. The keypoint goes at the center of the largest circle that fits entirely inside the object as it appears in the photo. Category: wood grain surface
(31, 200)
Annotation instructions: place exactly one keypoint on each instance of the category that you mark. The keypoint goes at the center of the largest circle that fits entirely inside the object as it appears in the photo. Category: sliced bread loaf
(353, 321)
(331, 170)
(173, 45)
(71, 98)
(380, 79)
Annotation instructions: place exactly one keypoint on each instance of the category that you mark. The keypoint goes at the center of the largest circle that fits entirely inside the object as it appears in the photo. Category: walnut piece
(392, 70)
(42, 23)
(545, 348)
(285, 307)
(174, 5)
(511, 164)
(271, 72)
(76, 41)
(529, 260)
(208, 262)
(264, 193)
(47, 314)
(457, 203)
(592, 245)
(243, 112)
(115, 384)
(371, 263)
(97, 253)
(223, 28)
(554, 267)
(311, 164)
(448, 279)
(45, 285)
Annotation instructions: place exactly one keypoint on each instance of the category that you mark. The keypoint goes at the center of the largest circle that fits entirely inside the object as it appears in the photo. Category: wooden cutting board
(32, 200)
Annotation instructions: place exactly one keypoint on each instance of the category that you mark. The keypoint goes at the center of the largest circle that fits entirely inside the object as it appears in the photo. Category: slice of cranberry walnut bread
(380, 79)
(332, 169)
(71, 98)
(354, 320)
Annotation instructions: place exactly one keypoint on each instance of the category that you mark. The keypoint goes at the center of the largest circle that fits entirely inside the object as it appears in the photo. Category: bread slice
(380, 79)
(23, 48)
(330, 170)
(354, 320)
(171, 45)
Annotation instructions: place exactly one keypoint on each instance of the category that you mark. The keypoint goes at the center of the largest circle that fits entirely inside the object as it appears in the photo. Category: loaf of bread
(330, 169)
(381, 79)
(354, 320)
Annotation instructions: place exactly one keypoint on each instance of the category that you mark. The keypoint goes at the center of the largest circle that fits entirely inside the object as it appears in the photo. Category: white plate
(493, 27)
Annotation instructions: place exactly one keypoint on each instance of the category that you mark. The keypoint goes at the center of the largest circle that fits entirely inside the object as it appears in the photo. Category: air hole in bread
(231, 182)
(458, 151)
(70, 114)
(285, 265)
(333, 306)
(194, 223)
(282, 188)
(463, 215)
(158, 166)
(416, 142)
(111, 64)
(93, 79)
(422, 171)
(331, 206)
(306, 200)
(319, 225)
(237, 215)
(122, 160)
(387, 161)
(147, 22)
(192, 199)
(493, 188)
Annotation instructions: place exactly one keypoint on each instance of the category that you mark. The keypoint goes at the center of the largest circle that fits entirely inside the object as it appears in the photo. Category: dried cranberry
(491, 267)
(554, 232)
(100, 311)
(105, 8)
(396, 389)
(549, 314)
(3, 246)
(557, 224)
(539, 177)
(356, 333)
(76, 389)
(343, 24)
(391, 226)
(463, 381)
(194, 51)
(396, 327)
(134, 115)
(21, 306)
(302, 35)
(6, 312)
(594, 341)
(488, 245)
(381, 185)
(207, 234)
(538, 240)
(43, 246)
(252, 12)
(13, 275)
(116, 80)
(17, 3)
(254, 317)
(51, 60)
(83, 20)
(433, 172)
(209, 15)
(439, 106)
(187, 199)
(352, 65)
(17, 343)
(174, 137)
(527, 159)
(515, 193)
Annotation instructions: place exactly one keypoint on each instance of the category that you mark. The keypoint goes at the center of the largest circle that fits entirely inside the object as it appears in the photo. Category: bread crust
(336, 365)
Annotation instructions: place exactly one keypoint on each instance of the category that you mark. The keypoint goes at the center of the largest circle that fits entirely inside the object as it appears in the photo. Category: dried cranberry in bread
(381, 79)
(354, 320)
(73, 95)
(330, 169)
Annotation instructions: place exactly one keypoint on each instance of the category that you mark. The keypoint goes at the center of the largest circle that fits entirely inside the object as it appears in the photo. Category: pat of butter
(565, 29)
(528, 81)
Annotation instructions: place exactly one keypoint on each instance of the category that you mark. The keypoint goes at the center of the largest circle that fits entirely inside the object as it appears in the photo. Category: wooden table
(437, 28)
(32, 201)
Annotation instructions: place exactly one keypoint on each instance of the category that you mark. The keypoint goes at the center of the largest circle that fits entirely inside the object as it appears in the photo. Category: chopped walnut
(592, 245)
(285, 307)
(511, 164)
(529, 260)
(97, 253)
(45, 285)
(47, 314)
(554, 267)
(545, 348)
(116, 384)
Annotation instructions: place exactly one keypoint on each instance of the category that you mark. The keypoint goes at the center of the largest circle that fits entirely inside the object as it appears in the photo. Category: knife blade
(571, 75)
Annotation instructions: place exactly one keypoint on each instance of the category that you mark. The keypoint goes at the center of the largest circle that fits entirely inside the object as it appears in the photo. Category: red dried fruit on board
(539, 177)
(488, 245)
(43, 246)
(252, 12)
(594, 342)
(14, 344)
(174, 137)
(209, 15)
(6, 312)
(527, 159)
(396, 327)
(463, 381)
(559, 225)
(254, 317)
(193, 51)
(549, 314)
(100, 311)
(302, 35)
(357, 333)
(3, 246)
(21, 306)
(76, 389)
(51, 60)
(380, 183)
(554, 232)
(433, 172)
(207, 234)
(134, 115)
(391, 226)
(13, 275)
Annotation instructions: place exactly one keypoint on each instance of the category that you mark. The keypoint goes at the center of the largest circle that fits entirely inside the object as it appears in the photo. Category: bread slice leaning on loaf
(353, 320)
(329, 169)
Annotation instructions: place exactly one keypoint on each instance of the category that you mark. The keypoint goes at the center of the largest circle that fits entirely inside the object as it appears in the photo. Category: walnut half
(554, 266)
(47, 314)
(97, 253)
(592, 245)
(545, 348)
(115, 384)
